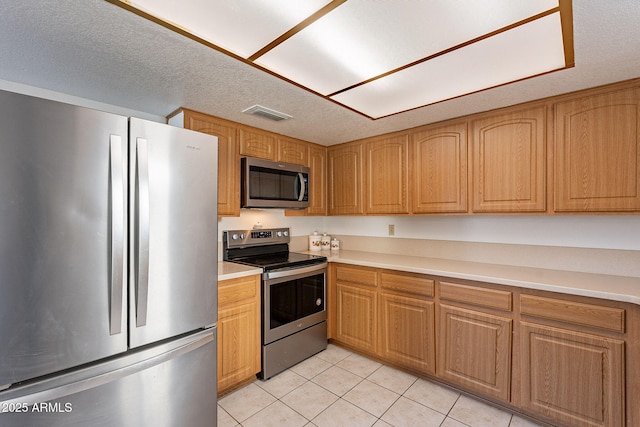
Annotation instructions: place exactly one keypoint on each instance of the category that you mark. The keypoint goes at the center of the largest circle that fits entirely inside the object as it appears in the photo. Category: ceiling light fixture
(381, 58)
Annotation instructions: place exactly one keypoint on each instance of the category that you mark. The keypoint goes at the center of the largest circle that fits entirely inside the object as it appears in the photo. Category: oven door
(293, 300)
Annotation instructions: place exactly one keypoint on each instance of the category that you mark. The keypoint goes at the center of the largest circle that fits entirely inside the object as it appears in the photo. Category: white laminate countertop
(230, 270)
(616, 288)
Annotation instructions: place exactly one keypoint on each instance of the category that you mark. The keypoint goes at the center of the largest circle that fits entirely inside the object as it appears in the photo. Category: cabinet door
(440, 169)
(407, 335)
(238, 354)
(356, 317)
(238, 331)
(574, 378)
(292, 151)
(509, 162)
(318, 177)
(228, 159)
(597, 153)
(257, 144)
(474, 350)
(387, 175)
(345, 179)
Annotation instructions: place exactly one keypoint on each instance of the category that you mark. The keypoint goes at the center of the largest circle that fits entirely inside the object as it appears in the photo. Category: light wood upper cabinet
(509, 173)
(228, 159)
(254, 143)
(345, 179)
(597, 155)
(292, 151)
(387, 175)
(317, 163)
(440, 169)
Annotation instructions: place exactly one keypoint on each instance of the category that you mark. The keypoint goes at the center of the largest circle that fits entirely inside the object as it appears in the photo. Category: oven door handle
(294, 271)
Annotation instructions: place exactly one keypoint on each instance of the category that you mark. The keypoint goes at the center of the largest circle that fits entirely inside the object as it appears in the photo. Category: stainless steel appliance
(108, 269)
(294, 314)
(267, 184)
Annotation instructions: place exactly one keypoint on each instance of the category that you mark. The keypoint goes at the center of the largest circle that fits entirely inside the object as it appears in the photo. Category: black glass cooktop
(281, 260)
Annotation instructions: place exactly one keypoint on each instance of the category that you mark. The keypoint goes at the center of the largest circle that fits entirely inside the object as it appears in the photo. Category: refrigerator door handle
(117, 234)
(142, 227)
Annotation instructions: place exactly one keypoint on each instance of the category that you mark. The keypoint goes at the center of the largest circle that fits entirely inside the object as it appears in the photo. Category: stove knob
(242, 236)
(286, 233)
(279, 233)
(234, 237)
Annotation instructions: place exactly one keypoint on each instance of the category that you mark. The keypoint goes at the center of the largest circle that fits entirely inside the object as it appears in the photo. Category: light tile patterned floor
(339, 388)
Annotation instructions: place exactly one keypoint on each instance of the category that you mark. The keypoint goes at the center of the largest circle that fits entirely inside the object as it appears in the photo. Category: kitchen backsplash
(597, 244)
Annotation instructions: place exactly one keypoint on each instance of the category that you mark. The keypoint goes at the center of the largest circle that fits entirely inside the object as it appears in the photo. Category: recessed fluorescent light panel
(380, 58)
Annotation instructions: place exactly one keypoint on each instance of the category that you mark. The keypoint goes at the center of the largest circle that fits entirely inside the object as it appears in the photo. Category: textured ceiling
(95, 50)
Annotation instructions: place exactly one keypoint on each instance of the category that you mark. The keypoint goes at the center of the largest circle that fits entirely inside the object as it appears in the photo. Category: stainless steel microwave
(267, 184)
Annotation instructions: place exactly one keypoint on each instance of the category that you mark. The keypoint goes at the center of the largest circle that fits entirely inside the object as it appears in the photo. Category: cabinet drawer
(609, 318)
(359, 276)
(233, 290)
(407, 283)
(490, 298)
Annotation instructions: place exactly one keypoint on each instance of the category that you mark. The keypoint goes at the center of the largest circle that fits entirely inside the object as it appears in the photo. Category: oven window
(296, 299)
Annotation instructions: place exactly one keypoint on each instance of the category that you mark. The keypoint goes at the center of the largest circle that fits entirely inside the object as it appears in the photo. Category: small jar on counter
(325, 242)
(315, 242)
(335, 244)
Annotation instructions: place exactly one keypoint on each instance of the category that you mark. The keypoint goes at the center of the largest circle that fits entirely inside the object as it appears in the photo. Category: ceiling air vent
(267, 113)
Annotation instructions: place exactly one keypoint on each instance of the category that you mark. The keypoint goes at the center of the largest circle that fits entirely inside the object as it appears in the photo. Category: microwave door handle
(303, 187)
(142, 226)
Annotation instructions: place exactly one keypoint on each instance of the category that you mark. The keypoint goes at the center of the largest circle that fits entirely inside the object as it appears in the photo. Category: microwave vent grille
(267, 113)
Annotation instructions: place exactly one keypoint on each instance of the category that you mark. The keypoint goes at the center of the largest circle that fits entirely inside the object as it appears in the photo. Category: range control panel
(249, 238)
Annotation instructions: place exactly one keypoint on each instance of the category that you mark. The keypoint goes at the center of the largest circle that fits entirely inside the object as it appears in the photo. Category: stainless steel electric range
(294, 314)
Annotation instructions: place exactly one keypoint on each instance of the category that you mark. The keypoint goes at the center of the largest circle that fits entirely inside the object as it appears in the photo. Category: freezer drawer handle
(61, 387)
(142, 226)
(117, 234)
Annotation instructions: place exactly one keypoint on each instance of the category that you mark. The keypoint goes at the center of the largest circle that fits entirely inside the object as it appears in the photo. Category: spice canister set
(323, 242)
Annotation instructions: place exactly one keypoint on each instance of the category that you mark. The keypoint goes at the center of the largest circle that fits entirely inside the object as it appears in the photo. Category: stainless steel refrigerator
(108, 269)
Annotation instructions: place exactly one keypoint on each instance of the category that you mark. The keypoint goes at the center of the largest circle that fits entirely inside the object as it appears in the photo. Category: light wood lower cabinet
(407, 320)
(573, 361)
(356, 317)
(573, 378)
(475, 350)
(407, 336)
(238, 332)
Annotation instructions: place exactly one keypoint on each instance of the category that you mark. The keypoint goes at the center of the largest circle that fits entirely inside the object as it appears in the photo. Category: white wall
(580, 231)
